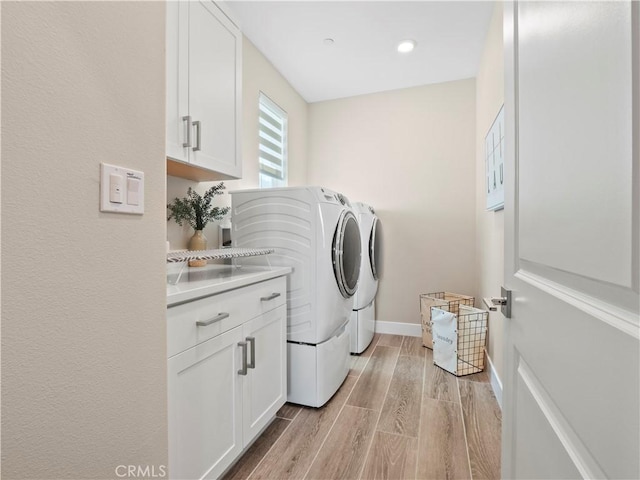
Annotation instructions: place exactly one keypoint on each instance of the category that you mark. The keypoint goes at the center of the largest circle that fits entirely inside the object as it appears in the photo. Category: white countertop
(197, 282)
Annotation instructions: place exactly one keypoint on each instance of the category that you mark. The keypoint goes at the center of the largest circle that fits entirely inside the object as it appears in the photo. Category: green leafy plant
(196, 209)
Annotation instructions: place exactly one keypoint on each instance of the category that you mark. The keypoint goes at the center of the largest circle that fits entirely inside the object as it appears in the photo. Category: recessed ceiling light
(406, 46)
(328, 41)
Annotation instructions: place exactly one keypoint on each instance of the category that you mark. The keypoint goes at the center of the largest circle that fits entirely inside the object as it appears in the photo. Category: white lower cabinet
(205, 407)
(265, 386)
(224, 390)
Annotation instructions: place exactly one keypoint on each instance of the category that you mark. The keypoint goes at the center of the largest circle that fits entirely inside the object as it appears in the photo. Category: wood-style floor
(396, 416)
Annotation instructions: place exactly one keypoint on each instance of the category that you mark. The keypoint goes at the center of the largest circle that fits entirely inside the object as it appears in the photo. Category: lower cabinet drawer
(194, 322)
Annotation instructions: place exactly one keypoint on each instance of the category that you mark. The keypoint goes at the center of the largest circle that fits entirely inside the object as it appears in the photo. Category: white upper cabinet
(204, 92)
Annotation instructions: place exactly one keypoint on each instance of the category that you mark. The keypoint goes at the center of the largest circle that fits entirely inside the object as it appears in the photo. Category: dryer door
(375, 240)
(346, 254)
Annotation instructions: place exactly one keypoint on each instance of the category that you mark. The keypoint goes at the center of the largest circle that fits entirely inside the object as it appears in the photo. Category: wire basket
(459, 339)
(447, 300)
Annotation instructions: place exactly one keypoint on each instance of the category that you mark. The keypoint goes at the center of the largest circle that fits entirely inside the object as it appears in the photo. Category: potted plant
(196, 210)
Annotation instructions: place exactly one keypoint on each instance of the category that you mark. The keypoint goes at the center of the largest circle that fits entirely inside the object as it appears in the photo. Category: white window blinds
(272, 131)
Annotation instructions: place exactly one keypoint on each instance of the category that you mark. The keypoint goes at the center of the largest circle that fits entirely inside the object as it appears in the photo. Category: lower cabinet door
(265, 386)
(205, 407)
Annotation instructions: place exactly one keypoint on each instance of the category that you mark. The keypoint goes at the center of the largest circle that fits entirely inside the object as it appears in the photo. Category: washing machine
(315, 231)
(362, 322)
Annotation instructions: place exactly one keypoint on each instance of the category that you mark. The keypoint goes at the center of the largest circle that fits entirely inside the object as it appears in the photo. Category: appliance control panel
(342, 199)
(331, 196)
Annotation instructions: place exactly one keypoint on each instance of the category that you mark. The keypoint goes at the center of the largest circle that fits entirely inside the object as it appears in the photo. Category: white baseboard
(398, 328)
(496, 384)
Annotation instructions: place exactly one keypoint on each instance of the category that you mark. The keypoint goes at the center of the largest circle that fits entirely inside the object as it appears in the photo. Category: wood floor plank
(372, 385)
(483, 423)
(412, 346)
(359, 361)
(443, 453)
(438, 383)
(289, 411)
(252, 457)
(401, 409)
(478, 377)
(388, 340)
(344, 452)
(372, 345)
(292, 454)
(391, 457)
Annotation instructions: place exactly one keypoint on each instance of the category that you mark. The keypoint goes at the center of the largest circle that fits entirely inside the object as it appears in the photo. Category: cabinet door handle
(187, 118)
(252, 345)
(270, 297)
(243, 346)
(198, 129)
(217, 318)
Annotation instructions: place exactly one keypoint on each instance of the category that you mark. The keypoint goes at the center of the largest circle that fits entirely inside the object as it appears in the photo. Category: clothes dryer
(362, 322)
(315, 231)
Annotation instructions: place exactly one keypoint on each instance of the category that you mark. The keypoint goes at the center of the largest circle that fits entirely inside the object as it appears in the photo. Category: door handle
(187, 118)
(198, 130)
(504, 302)
(252, 345)
(505, 305)
(270, 297)
(217, 318)
(243, 346)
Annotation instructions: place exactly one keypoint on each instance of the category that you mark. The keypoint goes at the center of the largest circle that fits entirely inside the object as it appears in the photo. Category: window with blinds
(272, 131)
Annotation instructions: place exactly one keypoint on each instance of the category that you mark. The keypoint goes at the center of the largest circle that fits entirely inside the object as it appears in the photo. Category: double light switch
(121, 190)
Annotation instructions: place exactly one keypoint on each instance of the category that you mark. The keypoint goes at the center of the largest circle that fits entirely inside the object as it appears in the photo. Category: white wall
(411, 155)
(258, 75)
(490, 225)
(83, 292)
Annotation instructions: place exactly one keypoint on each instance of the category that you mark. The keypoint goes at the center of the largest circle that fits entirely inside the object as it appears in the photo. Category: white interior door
(572, 210)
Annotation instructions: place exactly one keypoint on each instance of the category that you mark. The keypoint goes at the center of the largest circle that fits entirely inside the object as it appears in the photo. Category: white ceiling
(363, 59)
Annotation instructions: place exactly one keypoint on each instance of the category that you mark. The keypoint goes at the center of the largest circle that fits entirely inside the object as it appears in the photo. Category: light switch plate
(130, 177)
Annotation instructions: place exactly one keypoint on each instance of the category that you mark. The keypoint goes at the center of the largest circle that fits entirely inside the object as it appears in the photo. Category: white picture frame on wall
(494, 163)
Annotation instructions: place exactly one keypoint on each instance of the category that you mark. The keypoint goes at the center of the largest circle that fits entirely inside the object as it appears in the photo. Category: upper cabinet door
(204, 96)
(214, 88)
(177, 80)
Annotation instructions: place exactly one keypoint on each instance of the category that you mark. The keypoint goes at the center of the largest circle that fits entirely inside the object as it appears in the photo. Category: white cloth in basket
(445, 339)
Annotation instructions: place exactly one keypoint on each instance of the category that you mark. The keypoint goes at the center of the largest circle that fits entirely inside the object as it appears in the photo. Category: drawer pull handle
(243, 346)
(252, 345)
(217, 318)
(270, 297)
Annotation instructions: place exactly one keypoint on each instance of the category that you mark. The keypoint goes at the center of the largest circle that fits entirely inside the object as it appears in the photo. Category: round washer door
(374, 248)
(346, 254)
